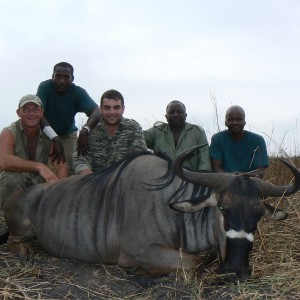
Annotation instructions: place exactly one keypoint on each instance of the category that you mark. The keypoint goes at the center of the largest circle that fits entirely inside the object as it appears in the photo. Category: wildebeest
(131, 215)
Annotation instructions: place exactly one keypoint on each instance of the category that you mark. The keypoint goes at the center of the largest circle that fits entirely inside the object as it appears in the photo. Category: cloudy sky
(199, 52)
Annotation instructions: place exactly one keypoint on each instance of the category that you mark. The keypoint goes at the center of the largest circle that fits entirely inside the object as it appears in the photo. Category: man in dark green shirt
(178, 135)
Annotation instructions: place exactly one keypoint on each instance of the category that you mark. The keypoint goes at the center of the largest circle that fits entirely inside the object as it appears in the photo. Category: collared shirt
(160, 138)
(106, 149)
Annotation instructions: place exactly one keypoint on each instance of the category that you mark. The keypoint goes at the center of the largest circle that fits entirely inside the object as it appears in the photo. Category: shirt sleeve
(215, 151)
(264, 159)
(42, 93)
(203, 156)
(81, 163)
(149, 138)
(85, 103)
(139, 142)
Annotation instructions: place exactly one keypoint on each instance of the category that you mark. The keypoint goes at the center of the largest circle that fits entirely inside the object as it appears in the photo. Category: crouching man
(25, 151)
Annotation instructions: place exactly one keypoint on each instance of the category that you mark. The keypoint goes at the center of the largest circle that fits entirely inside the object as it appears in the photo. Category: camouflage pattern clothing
(106, 149)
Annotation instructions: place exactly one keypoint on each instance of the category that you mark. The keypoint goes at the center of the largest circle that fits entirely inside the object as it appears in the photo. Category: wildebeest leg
(19, 226)
(15, 244)
(210, 257)
(159, 260)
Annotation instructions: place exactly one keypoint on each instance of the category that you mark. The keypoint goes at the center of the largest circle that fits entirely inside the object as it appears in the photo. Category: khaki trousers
(69, 143)
(11, 182)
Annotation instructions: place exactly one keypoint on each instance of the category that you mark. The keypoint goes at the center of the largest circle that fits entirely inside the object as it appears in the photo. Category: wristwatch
(87, 128)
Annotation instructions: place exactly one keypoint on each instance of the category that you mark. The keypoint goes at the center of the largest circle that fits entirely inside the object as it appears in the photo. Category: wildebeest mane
(166, 179)
(199, 192)
(99, 178)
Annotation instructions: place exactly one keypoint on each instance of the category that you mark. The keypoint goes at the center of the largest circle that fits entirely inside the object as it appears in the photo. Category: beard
(112, 120)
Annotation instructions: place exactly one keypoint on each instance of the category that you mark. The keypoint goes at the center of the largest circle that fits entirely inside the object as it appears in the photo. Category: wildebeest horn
(269, 189)
(212, 180)
(222, 180)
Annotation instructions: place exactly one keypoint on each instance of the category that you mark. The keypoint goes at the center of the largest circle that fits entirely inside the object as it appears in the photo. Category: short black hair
(236, 108)
(64, 65)
(175, 101)
(112, 94)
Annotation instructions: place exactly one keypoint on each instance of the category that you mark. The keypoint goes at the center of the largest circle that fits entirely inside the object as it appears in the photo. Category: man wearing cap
(25, 150)
(62, 100)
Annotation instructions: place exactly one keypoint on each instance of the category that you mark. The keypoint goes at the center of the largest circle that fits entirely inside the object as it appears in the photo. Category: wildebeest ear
(188, 206)
(274, 214)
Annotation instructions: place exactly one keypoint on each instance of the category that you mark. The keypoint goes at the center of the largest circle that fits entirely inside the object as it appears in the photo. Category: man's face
(112, 111)
(62, 79)
(30, 115)
(235, 121)
(176, 114)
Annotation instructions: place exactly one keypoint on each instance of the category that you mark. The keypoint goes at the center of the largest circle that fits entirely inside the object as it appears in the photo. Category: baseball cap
(30, 98)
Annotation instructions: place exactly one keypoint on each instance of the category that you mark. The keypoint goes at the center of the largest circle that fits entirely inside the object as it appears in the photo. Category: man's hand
(48, 175)
(83, 144)
(85, 172)
(58, 153)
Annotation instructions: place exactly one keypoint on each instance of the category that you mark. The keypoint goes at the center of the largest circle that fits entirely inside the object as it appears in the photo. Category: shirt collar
(101, 122)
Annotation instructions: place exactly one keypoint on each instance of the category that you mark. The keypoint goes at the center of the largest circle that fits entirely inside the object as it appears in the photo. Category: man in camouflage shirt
(112, 139)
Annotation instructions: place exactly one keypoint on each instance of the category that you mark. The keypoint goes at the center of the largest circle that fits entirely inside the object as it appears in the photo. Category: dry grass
(275, 260)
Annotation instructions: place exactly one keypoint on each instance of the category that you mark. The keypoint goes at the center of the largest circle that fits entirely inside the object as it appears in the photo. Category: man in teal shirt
(62, 100)
(178, 135)
(238, 150)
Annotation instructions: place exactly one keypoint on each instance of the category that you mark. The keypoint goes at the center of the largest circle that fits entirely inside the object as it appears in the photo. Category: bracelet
(50, 133)
(87, 128)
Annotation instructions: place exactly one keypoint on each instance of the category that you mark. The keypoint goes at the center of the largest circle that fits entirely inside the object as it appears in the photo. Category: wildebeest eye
(221, 207)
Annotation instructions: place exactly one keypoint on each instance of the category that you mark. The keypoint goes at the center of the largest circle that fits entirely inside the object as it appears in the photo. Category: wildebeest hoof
(135, 271)
(25, 253)
(145, 281)
(231, 277)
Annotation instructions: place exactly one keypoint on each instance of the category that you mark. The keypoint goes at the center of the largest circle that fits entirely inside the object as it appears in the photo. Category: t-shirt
(60, 110)
(242, 155)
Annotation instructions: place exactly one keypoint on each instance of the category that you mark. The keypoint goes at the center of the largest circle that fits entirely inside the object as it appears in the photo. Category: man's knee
(11, 182)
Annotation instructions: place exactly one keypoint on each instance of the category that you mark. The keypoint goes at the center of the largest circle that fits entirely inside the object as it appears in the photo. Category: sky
(207, 54)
